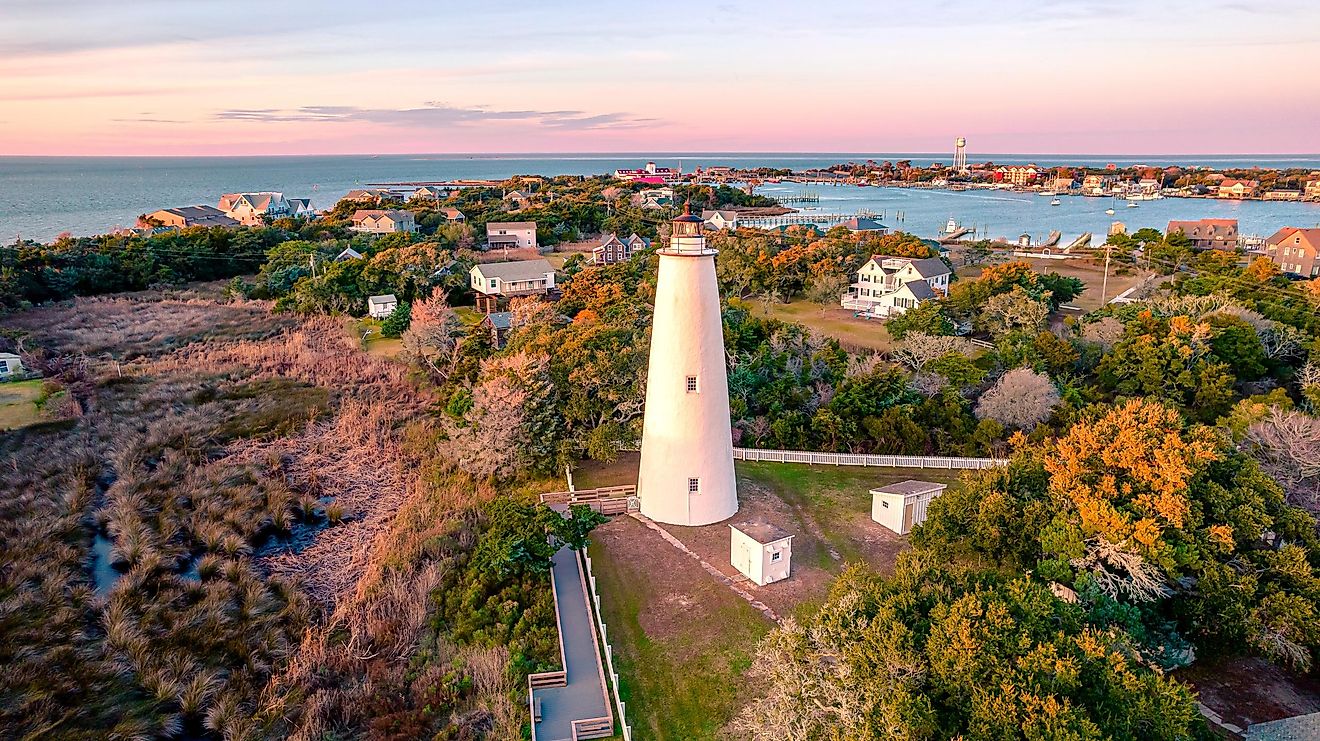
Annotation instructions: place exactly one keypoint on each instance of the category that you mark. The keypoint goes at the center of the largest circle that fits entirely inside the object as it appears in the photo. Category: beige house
(1312, 190)
(453, 215)
(511, 234)
(1295, 251)
(495, 280)
(902, 506)
(1219, 234)
(1231, 188)
(251, 209)
(760, 551)
(376, 221)
(11, 366)
(517, 200)
(184, 217)
(891, 285)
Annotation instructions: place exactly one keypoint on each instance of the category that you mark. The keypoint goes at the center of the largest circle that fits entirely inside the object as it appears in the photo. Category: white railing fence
(608, 650)
(857, 459)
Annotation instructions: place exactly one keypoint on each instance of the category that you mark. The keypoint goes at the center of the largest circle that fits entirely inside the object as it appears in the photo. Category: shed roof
(492, 225)
(517, 270)
(762, 532)
(387, 298)
(910, 487)
(500, 319)
(9, 356)
(920, 289)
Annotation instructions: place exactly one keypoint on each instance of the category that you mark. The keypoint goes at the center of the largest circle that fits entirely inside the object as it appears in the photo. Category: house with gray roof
(184, 217)
(493, 281)
(720, 219)
(887, 286)
(863, 224)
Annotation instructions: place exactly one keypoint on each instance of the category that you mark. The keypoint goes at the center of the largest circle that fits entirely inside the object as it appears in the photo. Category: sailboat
(1110, 210)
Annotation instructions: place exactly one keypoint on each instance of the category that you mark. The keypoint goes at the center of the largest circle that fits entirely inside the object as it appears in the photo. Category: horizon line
(677, 154)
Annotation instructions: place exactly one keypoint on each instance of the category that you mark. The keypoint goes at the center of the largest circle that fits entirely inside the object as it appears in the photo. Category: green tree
(397, 322)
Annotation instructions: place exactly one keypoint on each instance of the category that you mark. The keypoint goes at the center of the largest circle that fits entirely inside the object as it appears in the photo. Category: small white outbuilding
(760, 551)
(902, 506)
(10, 365)
(380, 307)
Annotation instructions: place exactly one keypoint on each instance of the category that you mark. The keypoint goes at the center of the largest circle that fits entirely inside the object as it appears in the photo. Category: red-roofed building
(1218, 234)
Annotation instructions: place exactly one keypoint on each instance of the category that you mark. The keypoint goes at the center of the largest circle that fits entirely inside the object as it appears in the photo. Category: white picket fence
(854, 459)
(609, 651)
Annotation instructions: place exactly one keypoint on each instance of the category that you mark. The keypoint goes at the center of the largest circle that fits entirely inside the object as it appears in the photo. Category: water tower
(960, 154)
(686, 475)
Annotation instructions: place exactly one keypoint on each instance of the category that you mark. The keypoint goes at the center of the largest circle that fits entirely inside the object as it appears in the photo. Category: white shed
(902, 506)
(10, 365)
(379, 307)
(760, 551)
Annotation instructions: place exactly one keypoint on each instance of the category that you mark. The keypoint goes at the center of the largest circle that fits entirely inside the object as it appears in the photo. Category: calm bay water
(1003, 214)
(43, 196)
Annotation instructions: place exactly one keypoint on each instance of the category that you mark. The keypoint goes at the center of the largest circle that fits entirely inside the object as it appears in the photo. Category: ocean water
(40, 197)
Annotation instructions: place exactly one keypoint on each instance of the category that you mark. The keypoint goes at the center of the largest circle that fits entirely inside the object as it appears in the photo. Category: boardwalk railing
(608, 500)
(853, 459)
(608, 651)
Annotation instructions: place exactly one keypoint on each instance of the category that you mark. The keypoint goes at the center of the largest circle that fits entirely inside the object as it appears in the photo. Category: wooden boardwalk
(576, 706)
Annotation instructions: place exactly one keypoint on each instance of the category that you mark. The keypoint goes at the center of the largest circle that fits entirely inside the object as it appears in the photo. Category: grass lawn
(682, 641)
(18, 404)
(1087, 271)
(468, 315)
(833, 321)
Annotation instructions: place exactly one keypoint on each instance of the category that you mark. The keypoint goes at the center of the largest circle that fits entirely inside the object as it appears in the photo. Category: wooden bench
(536, 710)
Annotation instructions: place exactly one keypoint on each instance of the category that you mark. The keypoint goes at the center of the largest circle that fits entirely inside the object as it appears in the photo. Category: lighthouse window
(692, 384)
(694, 486)
(776, 555)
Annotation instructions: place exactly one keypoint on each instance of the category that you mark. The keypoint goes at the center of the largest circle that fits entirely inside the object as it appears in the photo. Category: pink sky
(85, 77)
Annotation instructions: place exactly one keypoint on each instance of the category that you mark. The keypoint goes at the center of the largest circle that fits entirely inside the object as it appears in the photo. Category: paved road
(584, 696)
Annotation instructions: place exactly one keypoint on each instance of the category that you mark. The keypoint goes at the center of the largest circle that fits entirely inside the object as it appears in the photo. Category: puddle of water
(299, 536)
(104, 574)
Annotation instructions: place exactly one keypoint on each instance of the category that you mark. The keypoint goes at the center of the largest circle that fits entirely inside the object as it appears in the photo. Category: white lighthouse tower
(686, 475)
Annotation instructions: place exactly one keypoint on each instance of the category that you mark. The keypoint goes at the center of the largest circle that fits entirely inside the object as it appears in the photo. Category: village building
(11, 366)
(613, 250)
(1283, 195)
(511, 234)
(430, 193)
(373, 195)
(379, 307)
(760, 551)
(863, 224)
(1017, 174)
(453, 215)
(891, 285)
(1295, 251)
(1149, 186)
(376, 221)
(650, 174)
(493, 281)
(252, 209)
(184, 217)
(720, 219)
(1312, 190)
(1218, 234)
(348, 254)
(1063, 183)
(301, 208)
(1097, 185)
(498, 324)
(657, 198)
(516, 199)
(902, 506)
(1239, 189)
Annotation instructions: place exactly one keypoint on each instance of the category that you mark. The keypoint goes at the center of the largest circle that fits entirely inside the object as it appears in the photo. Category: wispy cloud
(436, 115)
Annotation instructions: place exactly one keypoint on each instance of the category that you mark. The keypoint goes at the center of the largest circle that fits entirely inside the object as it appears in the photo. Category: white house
(891, 285)
(902, 506)
(301, 208)
(511, 234)
(348, 254)
(380, 307)
(760, 551)
(10, 365)
(720, 219)
(376, 221)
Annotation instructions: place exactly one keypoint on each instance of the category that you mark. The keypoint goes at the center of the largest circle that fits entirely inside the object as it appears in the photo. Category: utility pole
(1104, 285)
(311, 264)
